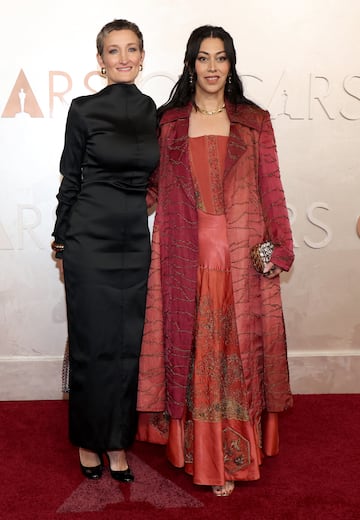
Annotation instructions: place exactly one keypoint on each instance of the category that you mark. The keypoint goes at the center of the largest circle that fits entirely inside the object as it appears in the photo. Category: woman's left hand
(271, 270)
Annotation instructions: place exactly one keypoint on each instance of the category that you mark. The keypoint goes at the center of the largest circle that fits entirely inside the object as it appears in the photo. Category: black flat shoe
(121, 475)
(93, 472)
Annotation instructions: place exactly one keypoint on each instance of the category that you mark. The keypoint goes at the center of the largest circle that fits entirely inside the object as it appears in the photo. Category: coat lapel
(236, 148)
(240, 116)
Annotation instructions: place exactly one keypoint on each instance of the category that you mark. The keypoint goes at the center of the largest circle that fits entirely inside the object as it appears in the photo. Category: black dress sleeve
(71, 168)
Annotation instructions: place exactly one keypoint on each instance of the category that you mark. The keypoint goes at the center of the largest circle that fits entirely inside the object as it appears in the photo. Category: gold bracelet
(57, 247)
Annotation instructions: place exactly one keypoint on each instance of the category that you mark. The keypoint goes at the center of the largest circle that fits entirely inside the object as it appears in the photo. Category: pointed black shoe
(93, 472)
(121, 476)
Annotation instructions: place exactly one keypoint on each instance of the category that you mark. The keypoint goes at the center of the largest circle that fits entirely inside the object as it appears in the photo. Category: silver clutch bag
(261, 255)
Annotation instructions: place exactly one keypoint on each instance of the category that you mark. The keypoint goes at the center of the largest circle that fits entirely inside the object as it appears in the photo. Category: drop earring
(103, 71)
(229, 83)
(140, 67)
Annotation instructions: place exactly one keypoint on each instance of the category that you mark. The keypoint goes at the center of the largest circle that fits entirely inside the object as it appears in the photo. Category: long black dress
(110, 150)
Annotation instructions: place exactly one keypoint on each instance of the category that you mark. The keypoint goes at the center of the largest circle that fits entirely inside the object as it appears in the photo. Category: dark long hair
(183, 91)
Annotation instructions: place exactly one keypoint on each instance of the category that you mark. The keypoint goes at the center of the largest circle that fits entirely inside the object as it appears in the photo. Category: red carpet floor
(315, 477)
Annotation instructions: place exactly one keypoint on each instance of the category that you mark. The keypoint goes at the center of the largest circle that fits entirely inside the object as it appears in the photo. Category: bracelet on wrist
(57, 247)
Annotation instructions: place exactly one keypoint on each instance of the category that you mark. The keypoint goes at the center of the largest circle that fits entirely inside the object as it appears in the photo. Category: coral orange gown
(216, 440)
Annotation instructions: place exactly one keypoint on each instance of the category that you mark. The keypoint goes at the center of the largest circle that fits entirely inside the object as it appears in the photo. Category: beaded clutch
(261, 255)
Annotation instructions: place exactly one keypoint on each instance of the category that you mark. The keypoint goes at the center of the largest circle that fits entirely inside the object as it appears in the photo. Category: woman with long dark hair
(214, 360)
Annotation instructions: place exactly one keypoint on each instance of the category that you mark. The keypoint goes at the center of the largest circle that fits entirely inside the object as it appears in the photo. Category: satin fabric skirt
(106, 262)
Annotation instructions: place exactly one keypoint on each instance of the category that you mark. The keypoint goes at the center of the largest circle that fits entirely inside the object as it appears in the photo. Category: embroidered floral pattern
(217, 373)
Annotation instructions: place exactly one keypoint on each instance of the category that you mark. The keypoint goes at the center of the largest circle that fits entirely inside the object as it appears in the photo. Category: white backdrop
(297, 59)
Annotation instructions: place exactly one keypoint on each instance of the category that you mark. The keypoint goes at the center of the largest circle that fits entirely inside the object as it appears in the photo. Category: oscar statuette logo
(22, 102)
(358, 227)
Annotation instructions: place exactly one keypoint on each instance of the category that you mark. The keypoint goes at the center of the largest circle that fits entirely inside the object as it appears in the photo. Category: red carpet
(315, 477)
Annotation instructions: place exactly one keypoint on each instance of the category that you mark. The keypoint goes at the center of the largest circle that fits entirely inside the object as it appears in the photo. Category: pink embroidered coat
(255, 210)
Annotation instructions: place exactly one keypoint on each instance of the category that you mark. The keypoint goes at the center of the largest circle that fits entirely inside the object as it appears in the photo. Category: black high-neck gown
(110, 150)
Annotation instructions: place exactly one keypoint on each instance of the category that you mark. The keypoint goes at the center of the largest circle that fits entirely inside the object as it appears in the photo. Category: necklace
(210, 112)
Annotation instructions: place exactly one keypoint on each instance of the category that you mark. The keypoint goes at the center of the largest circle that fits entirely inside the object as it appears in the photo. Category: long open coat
(255, 210)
